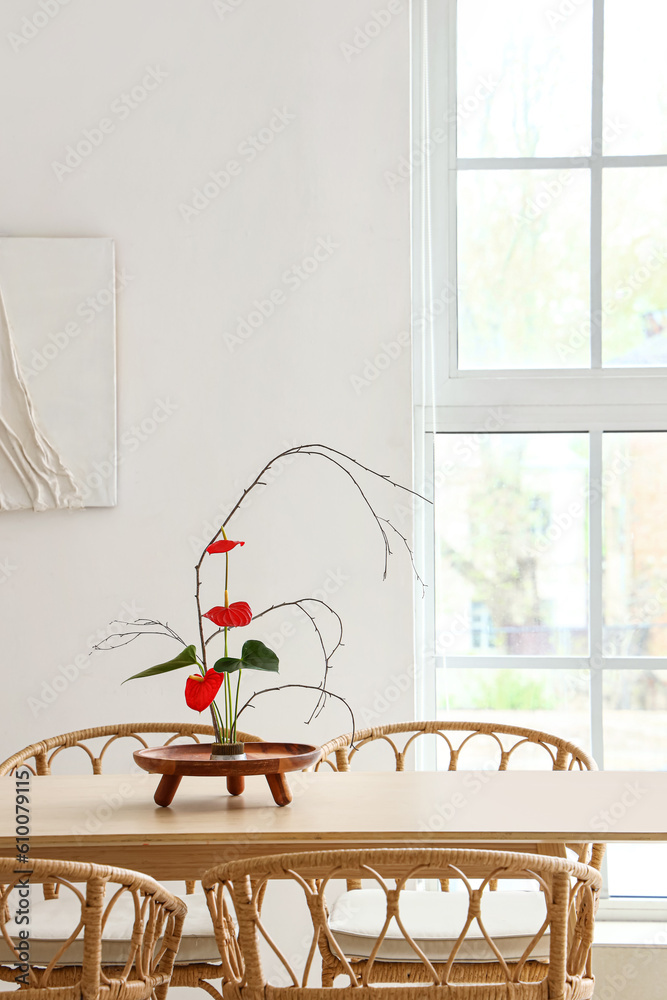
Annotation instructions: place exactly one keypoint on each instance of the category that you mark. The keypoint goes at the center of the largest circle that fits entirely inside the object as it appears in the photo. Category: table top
(369, 808)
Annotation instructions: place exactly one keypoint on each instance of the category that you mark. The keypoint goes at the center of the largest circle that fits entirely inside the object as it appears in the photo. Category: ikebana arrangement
(206, 679)
(201, 688)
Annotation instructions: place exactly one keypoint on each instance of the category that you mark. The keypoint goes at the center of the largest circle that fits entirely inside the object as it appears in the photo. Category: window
(540, 258)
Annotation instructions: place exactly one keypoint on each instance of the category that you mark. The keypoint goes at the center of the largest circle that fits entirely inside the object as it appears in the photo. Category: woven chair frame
(234, 892)
(45, 751)
(156, 934)
(563, 754)
(42, 755)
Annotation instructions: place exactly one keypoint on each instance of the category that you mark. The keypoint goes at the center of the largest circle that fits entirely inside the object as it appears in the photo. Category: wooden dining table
(112, 819)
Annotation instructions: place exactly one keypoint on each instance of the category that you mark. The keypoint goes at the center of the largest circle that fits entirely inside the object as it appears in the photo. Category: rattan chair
(108, 933)
(469, 954)
(465, 745)
(199, 962)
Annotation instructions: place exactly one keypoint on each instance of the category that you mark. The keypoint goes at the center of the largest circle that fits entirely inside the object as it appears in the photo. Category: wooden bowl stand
(272, 760)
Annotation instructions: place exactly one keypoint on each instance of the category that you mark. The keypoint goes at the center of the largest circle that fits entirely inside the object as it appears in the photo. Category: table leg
(165, 791)
(235, 784)
(279, 789)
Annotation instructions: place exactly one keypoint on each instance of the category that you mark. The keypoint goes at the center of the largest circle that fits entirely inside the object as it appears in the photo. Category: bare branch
(311, 687)
(144, 626)
(326, 655)
(326, 452)
(410, 552)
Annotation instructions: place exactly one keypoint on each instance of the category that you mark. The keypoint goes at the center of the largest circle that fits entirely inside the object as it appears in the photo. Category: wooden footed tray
(270, 759)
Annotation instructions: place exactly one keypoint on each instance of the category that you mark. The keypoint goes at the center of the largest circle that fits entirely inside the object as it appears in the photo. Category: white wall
(218, 76)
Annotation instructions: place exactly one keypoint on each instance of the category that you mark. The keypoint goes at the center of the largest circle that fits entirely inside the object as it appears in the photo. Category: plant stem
(228, 700)
(224, 535)
(224, 684)
(236, 706)
(216, 724)
(200, 618)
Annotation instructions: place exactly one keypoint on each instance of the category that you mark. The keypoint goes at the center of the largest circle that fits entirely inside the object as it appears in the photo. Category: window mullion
(452, 192)
(595, 594)
(597, 119)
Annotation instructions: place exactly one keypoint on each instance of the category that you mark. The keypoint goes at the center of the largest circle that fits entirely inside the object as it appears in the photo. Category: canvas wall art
(57, 373)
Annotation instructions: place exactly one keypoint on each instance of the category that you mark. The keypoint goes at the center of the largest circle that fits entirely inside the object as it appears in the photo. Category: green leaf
(254, 656)
(227, 665)
(257, 656)
(186, 658)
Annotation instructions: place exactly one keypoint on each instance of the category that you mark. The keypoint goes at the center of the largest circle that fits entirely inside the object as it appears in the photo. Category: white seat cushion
(434, 921)
(52, 920)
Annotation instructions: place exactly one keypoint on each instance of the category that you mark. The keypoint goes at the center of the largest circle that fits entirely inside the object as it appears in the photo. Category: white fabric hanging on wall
(32, 473)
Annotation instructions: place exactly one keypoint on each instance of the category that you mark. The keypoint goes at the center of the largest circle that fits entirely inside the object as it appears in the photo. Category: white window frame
(448, 399)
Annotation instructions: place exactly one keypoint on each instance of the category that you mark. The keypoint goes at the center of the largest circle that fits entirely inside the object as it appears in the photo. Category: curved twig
(144, 627)
(307, 449)
(298, 602)
(311, 687)
(410, 552)
(326, 655)
(326, 452)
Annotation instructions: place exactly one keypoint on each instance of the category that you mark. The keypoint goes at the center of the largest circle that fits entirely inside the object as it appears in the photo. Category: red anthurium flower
(236, 615)
(224, 545)
(200, 691)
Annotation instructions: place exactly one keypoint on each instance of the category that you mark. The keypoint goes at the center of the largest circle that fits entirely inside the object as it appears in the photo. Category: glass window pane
(635, 544)
(553, 701)
(635, 85)
(638, 870)
(635, 739)
(511, 550)
(524, 78)
(634, 272)
(635, 720)
(523, 269)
